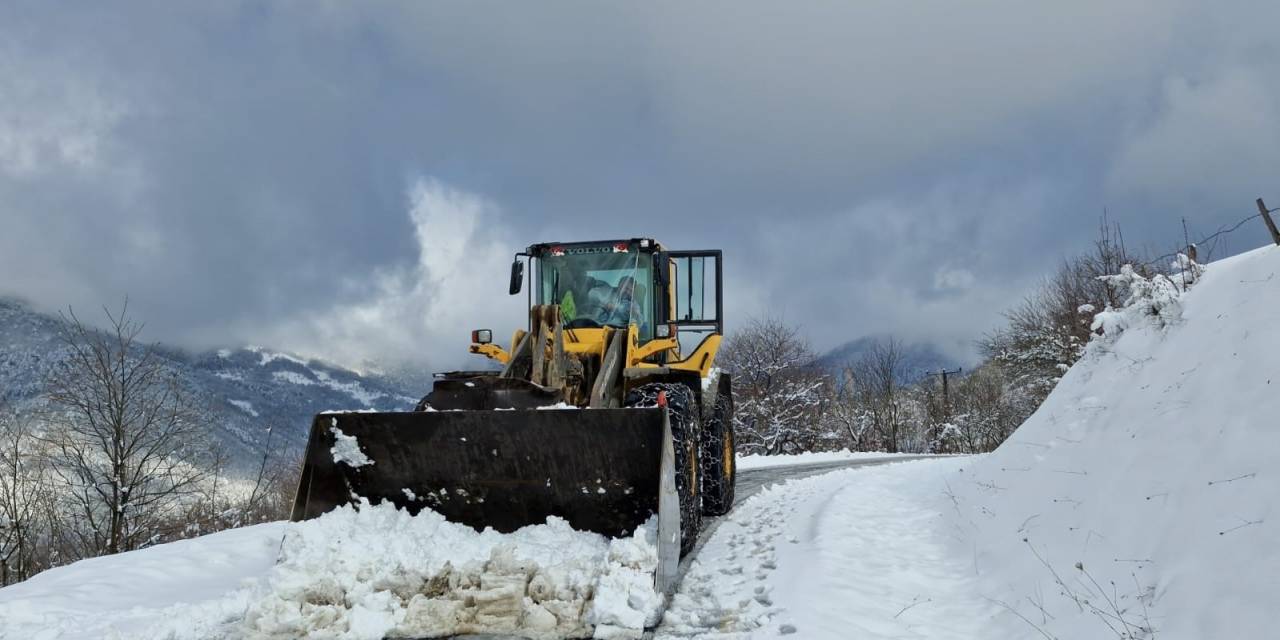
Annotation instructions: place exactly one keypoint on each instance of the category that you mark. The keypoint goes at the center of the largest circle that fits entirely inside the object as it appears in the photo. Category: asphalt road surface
(751, 481)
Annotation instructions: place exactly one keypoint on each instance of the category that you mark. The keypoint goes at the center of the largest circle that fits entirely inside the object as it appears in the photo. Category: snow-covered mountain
(918, 358)
(245, 390)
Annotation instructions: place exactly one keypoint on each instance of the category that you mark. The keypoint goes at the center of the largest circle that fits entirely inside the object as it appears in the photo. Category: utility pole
(946, 393)
(946, 399)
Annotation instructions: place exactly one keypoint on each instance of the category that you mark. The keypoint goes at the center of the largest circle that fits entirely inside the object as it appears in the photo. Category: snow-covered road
(858, 552)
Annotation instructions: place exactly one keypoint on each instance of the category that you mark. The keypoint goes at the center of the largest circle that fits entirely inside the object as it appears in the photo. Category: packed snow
(837, 555)
(346, 449)
(377, 572)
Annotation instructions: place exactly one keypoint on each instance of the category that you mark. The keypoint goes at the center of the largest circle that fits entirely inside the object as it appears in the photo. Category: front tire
(682, 408)
(718, 465)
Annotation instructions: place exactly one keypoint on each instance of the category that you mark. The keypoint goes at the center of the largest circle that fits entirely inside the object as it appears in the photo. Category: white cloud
(920, 266)
(424, 312)
(952, 279)
(211, 168)
(52, 117)
(1207, 138)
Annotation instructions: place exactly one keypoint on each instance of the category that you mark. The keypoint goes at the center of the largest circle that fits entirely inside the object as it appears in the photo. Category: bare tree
(1047, 332)
(23, 488)
(847, 416)
(271, 497)
(776, 387)
(222, 504)
(876, 379)
(125, 438)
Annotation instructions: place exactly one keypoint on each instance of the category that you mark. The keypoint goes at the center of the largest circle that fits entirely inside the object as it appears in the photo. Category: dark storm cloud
(291, 173)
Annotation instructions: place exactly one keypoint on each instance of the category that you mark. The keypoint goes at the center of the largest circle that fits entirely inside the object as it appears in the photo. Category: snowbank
(364, 573)
(788, 460)
(377, 572)
(194, 588)
(1143, 498)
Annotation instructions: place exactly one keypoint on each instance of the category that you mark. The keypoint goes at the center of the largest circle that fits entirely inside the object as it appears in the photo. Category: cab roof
(645, 245)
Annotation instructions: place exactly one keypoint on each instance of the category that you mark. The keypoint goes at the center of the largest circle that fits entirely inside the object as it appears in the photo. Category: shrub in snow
(1153, 299)
(1186, 270)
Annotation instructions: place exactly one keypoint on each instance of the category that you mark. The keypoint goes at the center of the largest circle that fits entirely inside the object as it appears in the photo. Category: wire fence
(1207, 246)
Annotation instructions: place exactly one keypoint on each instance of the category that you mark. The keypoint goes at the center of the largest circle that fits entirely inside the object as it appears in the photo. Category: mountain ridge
(245, 391)
(918, 358)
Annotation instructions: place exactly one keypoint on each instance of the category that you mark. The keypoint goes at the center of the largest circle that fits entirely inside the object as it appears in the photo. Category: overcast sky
(350, 181)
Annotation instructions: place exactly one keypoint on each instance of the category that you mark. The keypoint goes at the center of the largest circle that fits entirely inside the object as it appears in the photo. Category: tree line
(787, 403)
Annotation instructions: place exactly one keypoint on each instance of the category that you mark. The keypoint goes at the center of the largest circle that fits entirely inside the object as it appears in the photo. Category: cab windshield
(599, 285)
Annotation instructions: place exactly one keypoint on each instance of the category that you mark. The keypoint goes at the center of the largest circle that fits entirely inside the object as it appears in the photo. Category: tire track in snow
(828, 556)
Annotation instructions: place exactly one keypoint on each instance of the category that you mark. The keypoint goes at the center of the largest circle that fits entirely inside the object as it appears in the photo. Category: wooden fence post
(1271, 224)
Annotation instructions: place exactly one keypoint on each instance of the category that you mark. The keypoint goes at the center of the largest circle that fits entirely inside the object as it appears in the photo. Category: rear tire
(718, 464)
(682, 407)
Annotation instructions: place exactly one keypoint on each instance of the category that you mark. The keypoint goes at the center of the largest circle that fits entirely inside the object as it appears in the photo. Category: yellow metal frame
(594, 342)
(491, 351)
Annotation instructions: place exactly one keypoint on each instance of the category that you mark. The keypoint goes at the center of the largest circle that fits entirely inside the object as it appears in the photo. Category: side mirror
(517, 277)
(481, 336)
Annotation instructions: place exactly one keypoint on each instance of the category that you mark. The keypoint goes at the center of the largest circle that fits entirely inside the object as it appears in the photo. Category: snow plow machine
(598, 414)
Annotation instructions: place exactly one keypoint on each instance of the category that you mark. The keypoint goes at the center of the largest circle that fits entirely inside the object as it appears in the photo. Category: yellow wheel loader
(607, 409)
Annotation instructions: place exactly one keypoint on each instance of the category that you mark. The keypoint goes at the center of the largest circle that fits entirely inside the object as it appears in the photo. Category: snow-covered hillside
(245, 390)
(1143, 494)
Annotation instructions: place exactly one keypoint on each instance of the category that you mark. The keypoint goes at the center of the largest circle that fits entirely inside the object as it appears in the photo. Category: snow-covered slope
(1144, 493)
(245, 390)
(184, 589)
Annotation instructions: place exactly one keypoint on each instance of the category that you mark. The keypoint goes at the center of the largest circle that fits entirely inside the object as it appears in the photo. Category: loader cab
(599, 284)
(672, 293)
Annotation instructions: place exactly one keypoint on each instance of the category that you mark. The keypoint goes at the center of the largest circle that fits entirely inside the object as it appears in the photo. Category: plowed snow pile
(377, 572)
(365, 573)
(1141, 500)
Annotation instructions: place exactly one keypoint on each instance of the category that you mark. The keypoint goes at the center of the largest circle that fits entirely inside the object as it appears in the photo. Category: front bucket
(599, 469)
